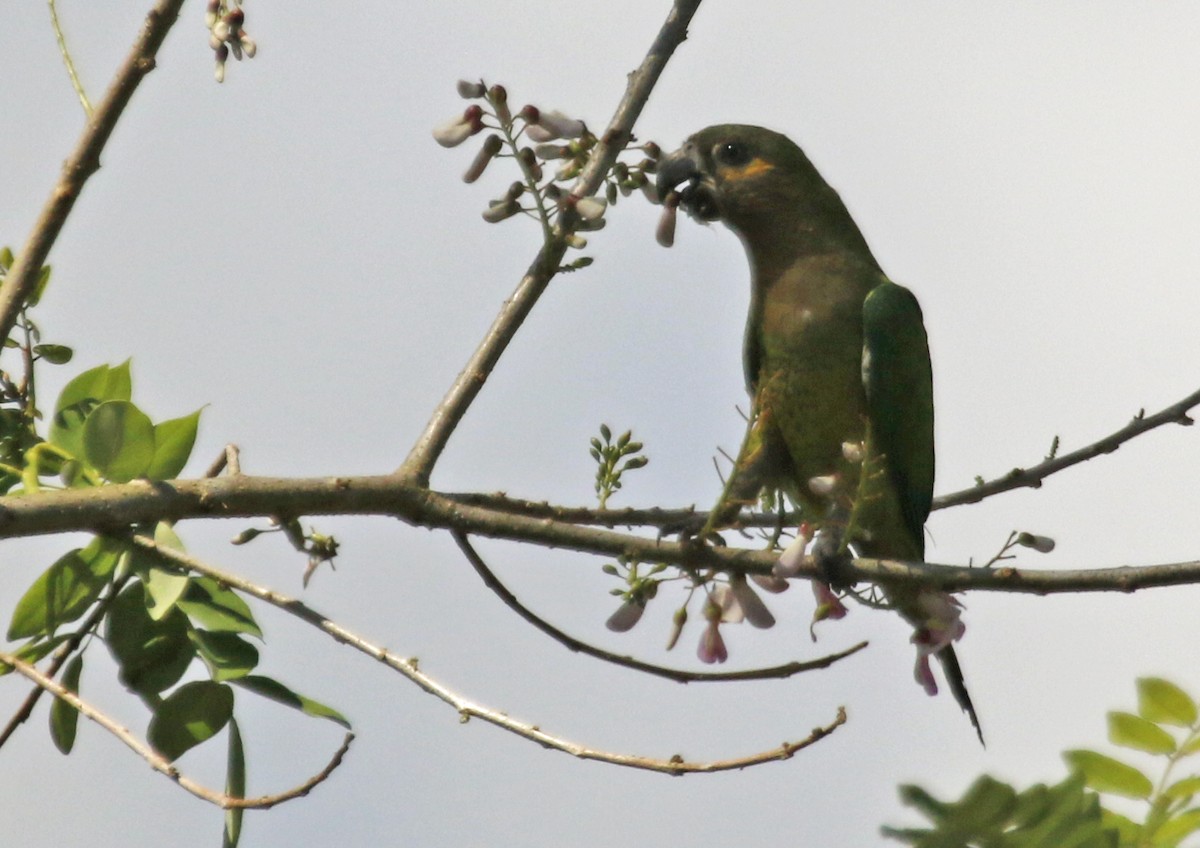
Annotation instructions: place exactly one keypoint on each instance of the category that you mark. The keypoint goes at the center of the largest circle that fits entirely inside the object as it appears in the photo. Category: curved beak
(678, 168)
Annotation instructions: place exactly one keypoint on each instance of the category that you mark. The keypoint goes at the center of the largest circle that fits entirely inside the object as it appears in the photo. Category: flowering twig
(1032, 477)
(160, 763)
(429, 446)
(83, 162)
(679, 675)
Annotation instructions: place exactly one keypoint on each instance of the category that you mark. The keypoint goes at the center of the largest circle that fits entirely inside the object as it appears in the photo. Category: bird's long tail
(958, 686)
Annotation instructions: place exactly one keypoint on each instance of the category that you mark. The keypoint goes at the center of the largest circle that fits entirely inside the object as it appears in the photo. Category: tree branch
(82, 163)
(1020, 478)
(446, 417)
(113, 508)
(468, 709)
(160, 763)
(677, 674)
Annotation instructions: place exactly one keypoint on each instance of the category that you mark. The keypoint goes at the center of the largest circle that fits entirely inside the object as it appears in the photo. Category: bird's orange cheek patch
(752, 168)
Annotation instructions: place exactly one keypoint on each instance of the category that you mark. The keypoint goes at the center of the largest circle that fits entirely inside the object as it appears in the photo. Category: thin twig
(447, 415)
(160, 763)
(677, 674)
(76, 83)
(82, 163)
(468, 709)
(1020, 478)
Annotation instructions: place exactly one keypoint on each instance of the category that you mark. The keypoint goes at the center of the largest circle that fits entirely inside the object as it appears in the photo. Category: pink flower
(712, 646)
(829, 605)
(943, 626)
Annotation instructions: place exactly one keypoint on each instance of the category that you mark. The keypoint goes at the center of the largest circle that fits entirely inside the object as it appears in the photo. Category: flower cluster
(550, 149)
(225, 20)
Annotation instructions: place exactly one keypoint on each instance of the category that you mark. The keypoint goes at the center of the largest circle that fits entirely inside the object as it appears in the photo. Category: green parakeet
(837, 365)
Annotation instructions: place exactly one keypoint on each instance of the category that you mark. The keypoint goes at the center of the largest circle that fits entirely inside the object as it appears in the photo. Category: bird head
(761, 185)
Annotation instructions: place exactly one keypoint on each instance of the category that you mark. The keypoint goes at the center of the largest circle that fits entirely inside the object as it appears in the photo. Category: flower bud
(823, 485)
(590, 208)
(515, 190)
(626, 616)
(576, 241)
(560, 125)
(221, 30)
(498, 210)
(210, 13)
(529, 113)
(491, 146)
(249, 45)
(1041, 544)
(853, 452)
(498, 96)
(527, 158)
(677, 622)
(546, 152)
(665, 233)
(468, 90)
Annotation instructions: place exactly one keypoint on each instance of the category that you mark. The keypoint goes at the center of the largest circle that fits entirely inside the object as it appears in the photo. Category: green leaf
(1175, 830)
(39, 288)
(118, 439)
(1191, 746)
(1163, 702)
(1131, 731)
(212, 606)
(164, 585)
(55, 354)
(1184, 788)
(1128, 831)
(80, 397)
(227, 655)
(1105, 774)
(173, 441)
(66, 589)
(235, 786)
(163, 590)
(276, 691)
(193, 713)
(64, 718)
(153, 655)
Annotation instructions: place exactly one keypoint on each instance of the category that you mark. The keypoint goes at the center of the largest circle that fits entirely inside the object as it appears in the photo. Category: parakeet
(837, 366)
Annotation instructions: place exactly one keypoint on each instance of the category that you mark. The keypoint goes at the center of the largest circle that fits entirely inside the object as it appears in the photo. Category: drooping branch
(677, 674)
(466, 708)
(83, 162)
(160, 763)
(429, 446)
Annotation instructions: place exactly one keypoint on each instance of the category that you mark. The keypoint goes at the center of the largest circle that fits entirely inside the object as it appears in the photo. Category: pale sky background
(294, 251)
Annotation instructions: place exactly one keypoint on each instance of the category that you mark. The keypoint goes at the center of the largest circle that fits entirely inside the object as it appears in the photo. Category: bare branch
(469, 709)
(470, 380)
(1021, 478)
(677, 674)
(83, 162)
(160, 763)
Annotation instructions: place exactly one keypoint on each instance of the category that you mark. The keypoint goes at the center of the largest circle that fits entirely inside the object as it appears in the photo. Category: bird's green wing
(898, 381)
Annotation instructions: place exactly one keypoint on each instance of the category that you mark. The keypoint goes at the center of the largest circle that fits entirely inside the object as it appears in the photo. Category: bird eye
(732, 153)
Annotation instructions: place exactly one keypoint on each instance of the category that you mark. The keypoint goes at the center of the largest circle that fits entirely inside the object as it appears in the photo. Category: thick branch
(160, 763)
(83, 162)
(468, 709)
(470, 380)
(112, 509)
